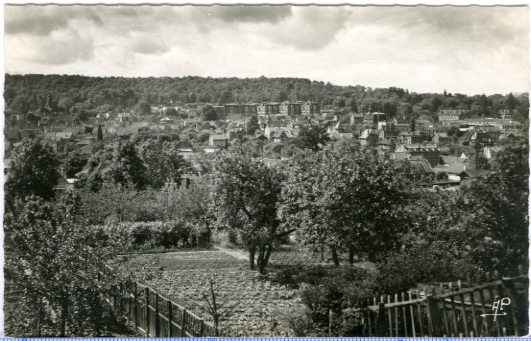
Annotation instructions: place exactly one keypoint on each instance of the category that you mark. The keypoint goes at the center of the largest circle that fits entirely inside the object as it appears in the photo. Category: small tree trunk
(351, 256)
(335, 257)
(252, 251)
(268, 253)
(261, 259)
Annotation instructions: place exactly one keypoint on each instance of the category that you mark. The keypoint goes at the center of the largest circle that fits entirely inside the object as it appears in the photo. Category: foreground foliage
(52, 266)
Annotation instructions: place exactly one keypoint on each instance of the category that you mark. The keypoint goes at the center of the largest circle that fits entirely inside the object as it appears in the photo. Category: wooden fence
(495, 309)
(155, 315)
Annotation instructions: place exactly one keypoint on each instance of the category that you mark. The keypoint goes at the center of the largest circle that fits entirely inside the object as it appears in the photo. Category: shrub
(432, 264)
(141, 234)
(332, 290)
(173, 234)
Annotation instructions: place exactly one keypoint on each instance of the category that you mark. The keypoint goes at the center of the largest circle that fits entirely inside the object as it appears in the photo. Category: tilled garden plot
(259, 305)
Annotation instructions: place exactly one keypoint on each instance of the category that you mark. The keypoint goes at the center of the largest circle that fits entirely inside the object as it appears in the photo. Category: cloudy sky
(424, 49)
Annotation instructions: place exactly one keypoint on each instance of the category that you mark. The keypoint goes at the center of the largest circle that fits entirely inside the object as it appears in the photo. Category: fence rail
(155, 315)
(495, 309)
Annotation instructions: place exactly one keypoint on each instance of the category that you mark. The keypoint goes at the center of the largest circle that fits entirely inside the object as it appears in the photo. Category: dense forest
(70, 94)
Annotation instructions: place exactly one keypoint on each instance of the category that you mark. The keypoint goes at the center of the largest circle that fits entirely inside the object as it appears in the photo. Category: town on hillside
(455, 145)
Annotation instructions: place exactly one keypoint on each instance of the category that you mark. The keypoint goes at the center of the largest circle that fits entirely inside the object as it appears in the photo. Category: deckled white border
(207, 2)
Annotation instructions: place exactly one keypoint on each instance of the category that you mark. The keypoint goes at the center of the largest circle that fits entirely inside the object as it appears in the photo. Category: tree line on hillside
(82, 95)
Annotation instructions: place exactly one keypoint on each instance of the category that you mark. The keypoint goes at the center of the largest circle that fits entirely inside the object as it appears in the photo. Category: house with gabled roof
(484, 139)
(282, 136)
(43, 122)
(440, 138)
(218, 140)
(65, 136)
(429, 152)
(356, 118)
(369, 137)
(12, 134)
(469, 176)
(422, 163)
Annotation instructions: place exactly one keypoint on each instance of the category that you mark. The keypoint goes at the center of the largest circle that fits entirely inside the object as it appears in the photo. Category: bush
(173, 234)
(326, 290)
(233, 237)
(435, 264)
(141, 234)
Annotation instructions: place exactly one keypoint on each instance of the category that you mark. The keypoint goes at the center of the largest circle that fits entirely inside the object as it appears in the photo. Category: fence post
(157, 318)
(510, 291)
(135, 305)
(202, 328)
(121, 298)
(146, 290)
(183, 333)
(170, 317)
(434, 316)
(381, 324)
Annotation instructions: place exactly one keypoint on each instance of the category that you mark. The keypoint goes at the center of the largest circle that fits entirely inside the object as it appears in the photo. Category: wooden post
(484, 311)
(445, 318)
(497, 323)
(454, 318)
(419, 316)
(146, 291)
(434, 316)
(463, 309)
(412, 314)
(474, 317)
(183, 320)
(390, 314)
(510, 291)
(157, 317)
(202, 328)
(381, 324)
(330, 322)
(369, 317)
(396, 316)
(404, 315)
(135, 305)
(170, 318)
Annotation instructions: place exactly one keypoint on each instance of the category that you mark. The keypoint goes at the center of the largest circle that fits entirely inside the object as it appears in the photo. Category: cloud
(464, 49)
(60, 48)
(148, 45)
(256, 14)
(43, 20)
(310, 28)
(65, 49)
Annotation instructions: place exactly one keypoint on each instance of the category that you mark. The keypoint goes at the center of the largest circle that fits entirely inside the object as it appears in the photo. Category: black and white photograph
(259, 170)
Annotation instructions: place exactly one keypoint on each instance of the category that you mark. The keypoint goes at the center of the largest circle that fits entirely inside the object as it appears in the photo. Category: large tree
(33, 171)
(500, 206)
(346, 197)
(245, 196)
(74, 163)
(127, 165)
(313, 137)
(208, 113)
(162, 162)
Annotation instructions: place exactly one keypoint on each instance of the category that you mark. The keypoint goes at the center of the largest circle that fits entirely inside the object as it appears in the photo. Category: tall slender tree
(100, 133)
